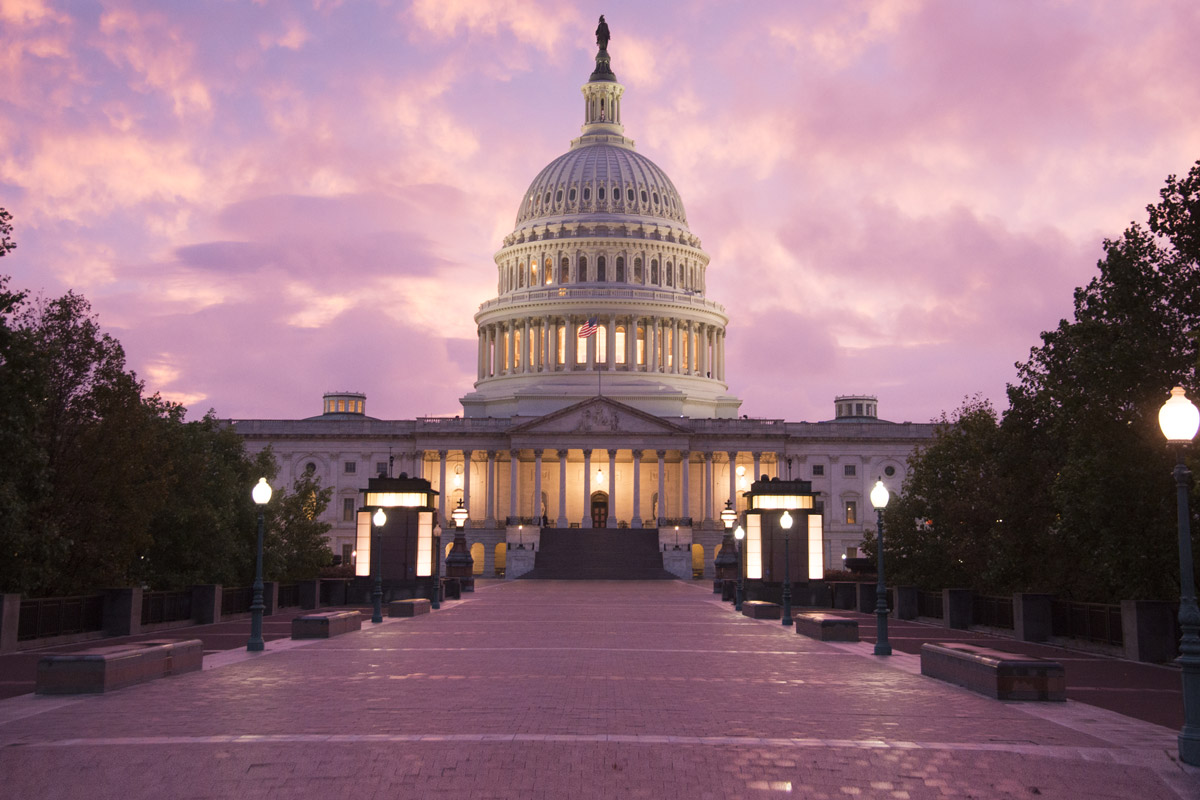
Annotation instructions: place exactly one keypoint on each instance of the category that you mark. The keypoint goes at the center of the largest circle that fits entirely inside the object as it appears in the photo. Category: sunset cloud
(268, 201)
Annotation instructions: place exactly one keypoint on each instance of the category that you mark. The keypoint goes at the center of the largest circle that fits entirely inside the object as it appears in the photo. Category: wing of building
(600, 398)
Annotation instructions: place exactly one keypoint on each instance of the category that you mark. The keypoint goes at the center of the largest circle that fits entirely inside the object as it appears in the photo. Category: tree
(6, 242)
(295, 547)
(942, 528)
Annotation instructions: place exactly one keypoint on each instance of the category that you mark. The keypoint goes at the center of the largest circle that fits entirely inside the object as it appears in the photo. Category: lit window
(851, 512)
(620, 344)
(601, 337)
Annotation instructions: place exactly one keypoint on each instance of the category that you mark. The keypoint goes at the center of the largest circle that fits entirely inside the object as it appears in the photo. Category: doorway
(599, 510)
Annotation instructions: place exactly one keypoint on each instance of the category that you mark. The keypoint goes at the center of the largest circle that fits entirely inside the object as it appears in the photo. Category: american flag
(588, 329)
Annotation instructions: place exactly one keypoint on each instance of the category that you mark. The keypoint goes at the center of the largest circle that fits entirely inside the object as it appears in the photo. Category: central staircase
(598, 554)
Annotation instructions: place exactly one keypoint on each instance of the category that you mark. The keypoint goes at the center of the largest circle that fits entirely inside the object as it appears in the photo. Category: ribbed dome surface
(601, 179)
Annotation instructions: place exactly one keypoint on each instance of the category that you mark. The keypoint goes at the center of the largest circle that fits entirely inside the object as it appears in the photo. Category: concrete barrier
(101, 669)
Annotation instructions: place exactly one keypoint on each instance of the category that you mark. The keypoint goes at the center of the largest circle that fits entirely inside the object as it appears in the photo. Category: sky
(266, 201)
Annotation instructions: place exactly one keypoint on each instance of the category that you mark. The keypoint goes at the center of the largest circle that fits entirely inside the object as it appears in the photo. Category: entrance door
(599, 510)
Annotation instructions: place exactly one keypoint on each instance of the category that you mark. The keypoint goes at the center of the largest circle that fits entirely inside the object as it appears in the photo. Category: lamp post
(459, 563)
(785, 522)
(262, 495)
(435, 600)
(378, 521)
(726, 560)
(879, 499)
(1179, 421)
(740, 535)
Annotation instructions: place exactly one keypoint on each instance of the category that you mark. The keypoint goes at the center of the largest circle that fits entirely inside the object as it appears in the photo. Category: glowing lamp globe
(879, 495)
(1178, 418)
(261, 492)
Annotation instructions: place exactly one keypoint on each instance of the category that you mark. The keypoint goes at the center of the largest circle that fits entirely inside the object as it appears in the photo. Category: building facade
(600, 398)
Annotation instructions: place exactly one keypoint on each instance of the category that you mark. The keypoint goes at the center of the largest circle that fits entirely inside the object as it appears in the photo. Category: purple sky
(266, 201)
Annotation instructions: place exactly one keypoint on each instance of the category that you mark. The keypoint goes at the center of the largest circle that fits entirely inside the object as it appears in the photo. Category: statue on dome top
(602, 36)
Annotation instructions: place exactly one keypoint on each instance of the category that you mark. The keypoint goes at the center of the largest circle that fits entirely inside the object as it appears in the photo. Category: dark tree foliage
(6, 242)
(102, 487)
(1072, 491)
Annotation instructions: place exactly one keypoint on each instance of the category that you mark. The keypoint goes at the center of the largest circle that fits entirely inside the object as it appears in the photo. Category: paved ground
(573, 690)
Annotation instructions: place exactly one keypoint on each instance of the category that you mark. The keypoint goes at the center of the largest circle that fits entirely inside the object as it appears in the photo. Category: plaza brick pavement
(574, 690)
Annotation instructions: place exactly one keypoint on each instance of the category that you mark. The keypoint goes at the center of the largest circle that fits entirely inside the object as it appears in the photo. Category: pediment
(598, 415)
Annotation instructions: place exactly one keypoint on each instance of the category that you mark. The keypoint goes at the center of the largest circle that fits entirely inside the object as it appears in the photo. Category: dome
(597, 179)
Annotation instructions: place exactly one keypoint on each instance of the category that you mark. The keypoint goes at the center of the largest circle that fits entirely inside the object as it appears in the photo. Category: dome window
(656, 198)
(558, 196)
(571, 196)
(645, 199)
(600, 194)
(629, 195)
(547, 198)
(587, 194)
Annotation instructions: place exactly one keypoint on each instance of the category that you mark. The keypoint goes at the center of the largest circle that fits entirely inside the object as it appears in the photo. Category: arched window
(521, 276)
(581, 273)
(670, 275)
(654, 271)
(620, 344)
(564, 270)
(681, 276)
(637, 270)
(601, 273)
(620, 269)
(533, 274)
(641, 346)
(549, 270)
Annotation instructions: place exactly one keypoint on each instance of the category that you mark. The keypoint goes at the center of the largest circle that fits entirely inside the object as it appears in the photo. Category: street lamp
(879, 499)
(785, 522)
(379, 520)
(262, 495)
(740, 535)
(726, 560)
(1179, 420)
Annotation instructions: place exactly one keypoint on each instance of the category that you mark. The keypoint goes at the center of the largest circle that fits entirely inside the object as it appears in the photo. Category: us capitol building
(630, 425)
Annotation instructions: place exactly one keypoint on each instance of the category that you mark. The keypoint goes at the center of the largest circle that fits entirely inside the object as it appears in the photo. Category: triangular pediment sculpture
(598, 415)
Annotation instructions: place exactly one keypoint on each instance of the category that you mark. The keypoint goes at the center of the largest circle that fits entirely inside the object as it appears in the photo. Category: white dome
(599, 180)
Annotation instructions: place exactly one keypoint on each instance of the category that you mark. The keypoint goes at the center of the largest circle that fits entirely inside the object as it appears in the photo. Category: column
(631, 344)
(547, 361)
(587, 489)
(675, 347)
(572, 343)
(636, 519)
(651, 344)
(661, 511)
(442, 486)
(551, 345)
(562, 489)
(611, 345)
(612, 489)
(479, 357)
(467, 481)
(537, 487)
(510, 347)
(691, 343)
(733, 478)
(708, 486)
(703, 335)
(514, 471)
(685, 504)
(526, 349)
(721, 367)
(491, 489)
(757, 467)
(491, 353)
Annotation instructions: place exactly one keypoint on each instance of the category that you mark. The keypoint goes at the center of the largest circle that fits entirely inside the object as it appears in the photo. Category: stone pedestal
(678, 563)
(958, 608)
(518, 562)
(123, 612)
(1149, 630)
(906, 602)
(1031, 616)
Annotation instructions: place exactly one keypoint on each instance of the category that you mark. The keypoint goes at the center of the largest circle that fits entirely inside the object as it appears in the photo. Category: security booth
(783, 550)
(402, 552)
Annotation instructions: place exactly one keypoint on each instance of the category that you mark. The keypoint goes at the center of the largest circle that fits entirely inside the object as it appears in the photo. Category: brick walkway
(574, 690)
